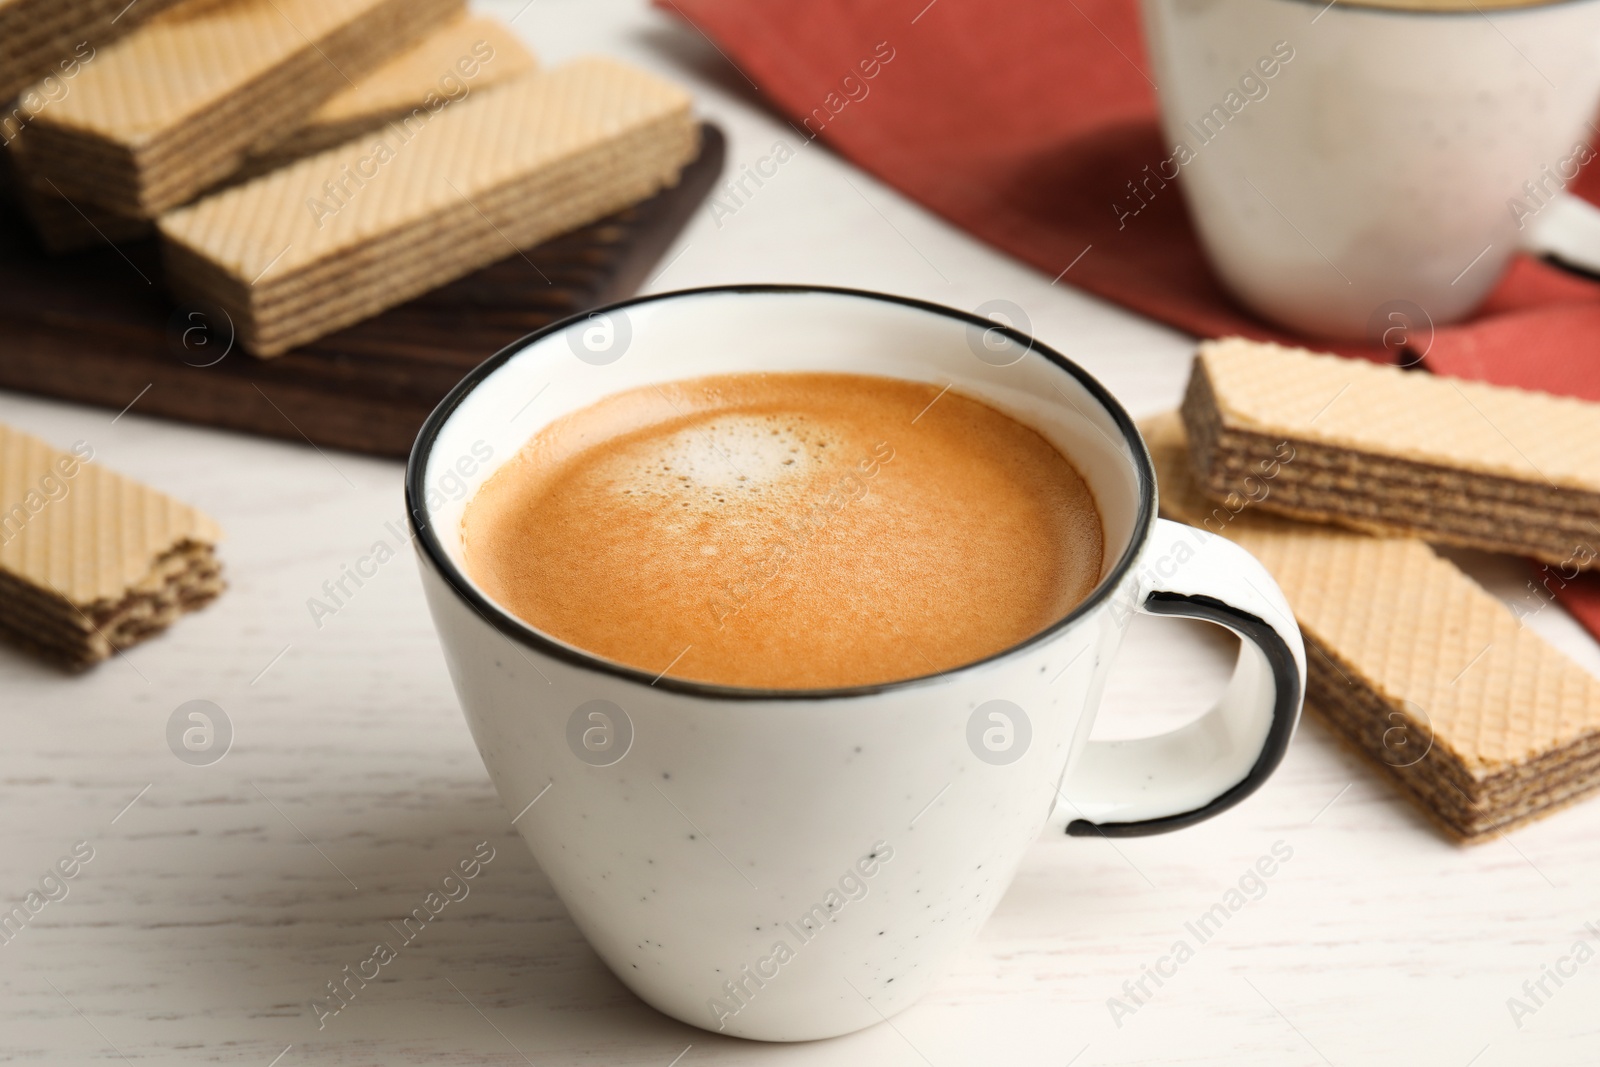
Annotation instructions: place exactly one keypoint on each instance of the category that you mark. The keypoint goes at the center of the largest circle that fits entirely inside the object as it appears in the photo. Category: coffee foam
(734, 463)
(788, 530)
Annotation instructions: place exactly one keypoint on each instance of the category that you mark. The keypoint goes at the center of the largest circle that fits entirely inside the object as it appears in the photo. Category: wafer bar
(176, 105)
(463, 56)
(1477, 719)
(45, 38)
(347, 233)
(90, 561)
(469, 54)
(1401, 452)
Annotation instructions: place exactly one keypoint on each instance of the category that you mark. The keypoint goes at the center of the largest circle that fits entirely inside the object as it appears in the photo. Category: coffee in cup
(787, 530)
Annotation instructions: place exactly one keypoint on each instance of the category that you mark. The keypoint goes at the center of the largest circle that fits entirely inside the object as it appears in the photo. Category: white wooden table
(221, 899)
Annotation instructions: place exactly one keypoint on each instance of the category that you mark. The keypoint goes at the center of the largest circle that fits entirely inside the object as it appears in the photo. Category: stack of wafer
(177, 105)
(349, 232)
(1474, 716)
(353, 160)
(465, 55)
(90, 561)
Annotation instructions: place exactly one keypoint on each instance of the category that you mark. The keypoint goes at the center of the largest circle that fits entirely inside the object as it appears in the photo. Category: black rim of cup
(521, 632)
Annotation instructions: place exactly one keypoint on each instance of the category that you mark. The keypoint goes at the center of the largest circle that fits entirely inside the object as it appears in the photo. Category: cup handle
(1155, 784)
(1566, 233)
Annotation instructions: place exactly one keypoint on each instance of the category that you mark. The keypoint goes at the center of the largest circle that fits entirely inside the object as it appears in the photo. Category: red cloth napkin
(1023, 122)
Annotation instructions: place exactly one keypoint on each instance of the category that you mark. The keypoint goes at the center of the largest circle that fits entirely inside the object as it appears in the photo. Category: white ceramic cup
(1345, 163)
(796, 864)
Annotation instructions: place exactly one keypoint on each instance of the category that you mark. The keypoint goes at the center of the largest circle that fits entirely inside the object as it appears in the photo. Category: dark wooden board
(97, 328)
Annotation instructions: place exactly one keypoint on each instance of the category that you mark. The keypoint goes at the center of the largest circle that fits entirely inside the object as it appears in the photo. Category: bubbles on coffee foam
(733, 460)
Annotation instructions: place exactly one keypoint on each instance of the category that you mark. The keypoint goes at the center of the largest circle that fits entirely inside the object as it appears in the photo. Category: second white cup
(1351, 167)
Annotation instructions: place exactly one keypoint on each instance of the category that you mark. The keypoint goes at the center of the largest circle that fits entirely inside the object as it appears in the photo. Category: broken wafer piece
(90, 561)
(347, 233)
(48, 38)
(175, 106)
(1401, 452)
(1475, 717)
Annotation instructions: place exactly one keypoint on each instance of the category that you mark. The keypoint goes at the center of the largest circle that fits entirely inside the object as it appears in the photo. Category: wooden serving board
(97, 328)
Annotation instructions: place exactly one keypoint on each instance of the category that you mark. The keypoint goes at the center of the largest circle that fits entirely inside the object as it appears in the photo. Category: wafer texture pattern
(175, 106)
(347, 233)
(190, 58)
(39, 37)
(431, 164)
(1386, 411)
(74, 529)
(1402, 453)
(473, 52)
(1404, 645)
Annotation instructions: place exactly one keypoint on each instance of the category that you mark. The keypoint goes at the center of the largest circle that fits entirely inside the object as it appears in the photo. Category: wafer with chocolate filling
(90, 561)
(469, 54)
(1473, 716)
(1401, 452)
(176, 105)
(347, 233)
